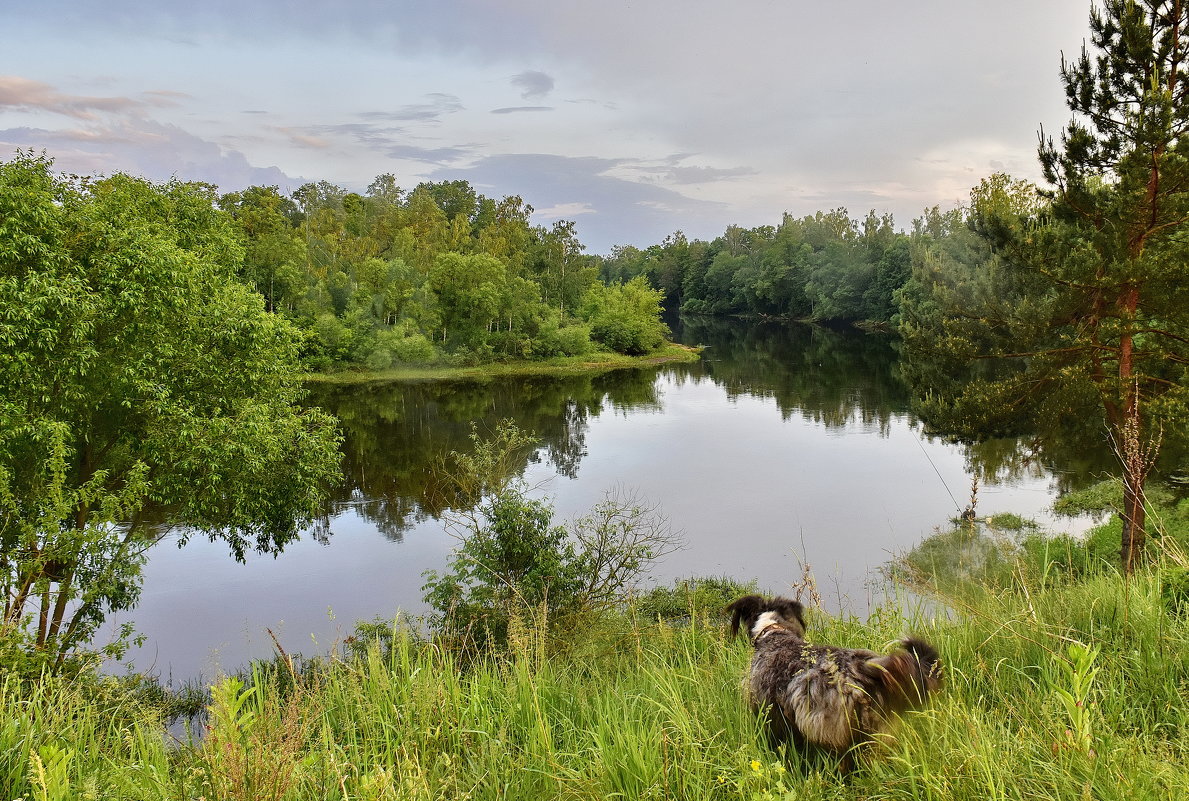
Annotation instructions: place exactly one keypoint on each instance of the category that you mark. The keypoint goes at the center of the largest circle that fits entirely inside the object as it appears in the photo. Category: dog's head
(746, 611)
(907, 677)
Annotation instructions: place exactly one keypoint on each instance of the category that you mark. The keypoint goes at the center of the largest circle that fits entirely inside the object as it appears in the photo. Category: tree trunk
(43, 619)
(1129, 443)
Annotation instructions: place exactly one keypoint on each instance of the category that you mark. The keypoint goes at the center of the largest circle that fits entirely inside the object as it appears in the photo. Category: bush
(515, 559)
(397, 346)
(513, 562)
(1007, 521)
(555, 339)
(691, 598)
(626, 317)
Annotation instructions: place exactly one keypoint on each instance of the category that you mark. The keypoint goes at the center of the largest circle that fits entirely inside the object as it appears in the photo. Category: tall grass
(1054, 689)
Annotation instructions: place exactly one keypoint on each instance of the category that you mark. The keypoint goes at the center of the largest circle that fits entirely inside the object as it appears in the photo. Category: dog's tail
(927, 677)
(908, 676)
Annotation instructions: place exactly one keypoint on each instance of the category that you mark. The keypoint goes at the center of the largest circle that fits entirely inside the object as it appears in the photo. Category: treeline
(438, 274)
(826, 267)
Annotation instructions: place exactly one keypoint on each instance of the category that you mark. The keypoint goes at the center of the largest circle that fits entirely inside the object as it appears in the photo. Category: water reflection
(835, 378)
(785, 443)
(397, 435)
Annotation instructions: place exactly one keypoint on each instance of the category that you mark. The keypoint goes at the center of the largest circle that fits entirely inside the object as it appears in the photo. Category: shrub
(626, 317)
(513, 562)
(691, 598)
(398, 346)
(515, 559)
(555, 339)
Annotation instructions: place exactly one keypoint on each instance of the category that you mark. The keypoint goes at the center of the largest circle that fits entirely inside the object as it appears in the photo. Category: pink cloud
(142, 147)
(29, 95)
(297, 137)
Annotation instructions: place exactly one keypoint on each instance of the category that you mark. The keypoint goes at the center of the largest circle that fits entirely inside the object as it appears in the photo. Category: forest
(436, 275)
(823, 267)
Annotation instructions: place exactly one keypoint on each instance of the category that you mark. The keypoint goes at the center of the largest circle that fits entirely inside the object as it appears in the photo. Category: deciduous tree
(142, 386)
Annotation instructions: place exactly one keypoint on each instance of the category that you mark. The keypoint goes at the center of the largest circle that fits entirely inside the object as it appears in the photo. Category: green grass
(563, 365)
(1056, 689)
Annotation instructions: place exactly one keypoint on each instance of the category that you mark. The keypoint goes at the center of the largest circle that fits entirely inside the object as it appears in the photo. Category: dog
(824, 696)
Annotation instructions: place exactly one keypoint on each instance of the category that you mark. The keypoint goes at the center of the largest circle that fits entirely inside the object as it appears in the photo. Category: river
(785, 445)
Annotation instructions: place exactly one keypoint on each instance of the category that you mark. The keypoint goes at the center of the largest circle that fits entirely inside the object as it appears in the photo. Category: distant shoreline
(591, 363)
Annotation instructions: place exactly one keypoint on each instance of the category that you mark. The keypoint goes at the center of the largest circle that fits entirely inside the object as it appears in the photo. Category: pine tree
(1078, 319)
(1121, 172)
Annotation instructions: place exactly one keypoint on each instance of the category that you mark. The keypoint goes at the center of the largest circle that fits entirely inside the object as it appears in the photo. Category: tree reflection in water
(396, 435)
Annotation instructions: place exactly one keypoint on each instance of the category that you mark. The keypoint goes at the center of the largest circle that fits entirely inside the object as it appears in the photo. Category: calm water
(784, 445)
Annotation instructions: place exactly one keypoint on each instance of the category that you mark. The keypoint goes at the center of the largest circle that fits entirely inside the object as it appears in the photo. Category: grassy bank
(565, 365)
(1066, 688)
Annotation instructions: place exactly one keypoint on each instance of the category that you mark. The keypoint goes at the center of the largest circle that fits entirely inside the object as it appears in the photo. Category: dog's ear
(745, 609)
(791, 612)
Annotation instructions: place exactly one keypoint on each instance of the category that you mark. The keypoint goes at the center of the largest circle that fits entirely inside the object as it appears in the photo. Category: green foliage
(692, 598)
(626, 317)
(515, 566)
(139, 380)
(1106, 497)
(396, 346)
(993, 556)
(93, 568)
(1006, 521)
(1072, 690)
(1174, 589)
(823, 267)
(1083, 290)
(952, 560)
(437, 275)
(1079, 670)
(515, 562)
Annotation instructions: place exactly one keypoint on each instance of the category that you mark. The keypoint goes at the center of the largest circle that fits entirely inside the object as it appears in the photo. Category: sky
(633, 118)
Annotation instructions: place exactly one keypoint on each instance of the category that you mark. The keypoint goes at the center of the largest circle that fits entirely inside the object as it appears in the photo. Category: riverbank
(590, 363)
(1062, 681)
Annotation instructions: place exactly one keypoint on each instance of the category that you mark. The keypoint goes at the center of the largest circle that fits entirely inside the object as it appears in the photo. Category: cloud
(391, 141)
(533, 85)
(23, 94)
(439, 105)
(148, 149)
(613, 210)
(869, 108)
(430, 155)
(305, 140)
(685, 175)
(165, 97)
(372, 136)
(565, 211)
(520, 109)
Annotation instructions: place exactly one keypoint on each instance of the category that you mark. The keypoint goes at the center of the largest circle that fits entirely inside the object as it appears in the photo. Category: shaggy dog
(822, 695)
